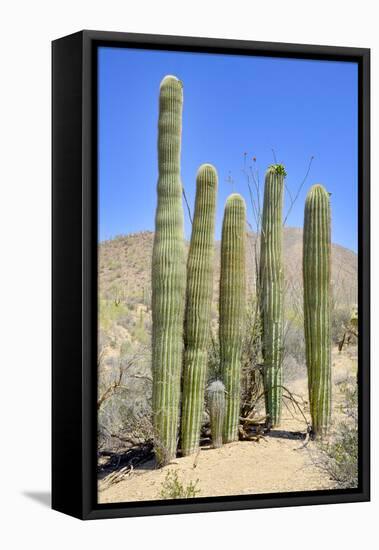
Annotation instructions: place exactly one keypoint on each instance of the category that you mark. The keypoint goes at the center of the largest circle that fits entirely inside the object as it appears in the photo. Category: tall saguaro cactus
(198, 307)
(316, 278)
(271, 290)
(232, 309)
(168, 274)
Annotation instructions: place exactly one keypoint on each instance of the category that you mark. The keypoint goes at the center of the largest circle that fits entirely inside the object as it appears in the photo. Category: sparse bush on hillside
(114, 265)
(126, 318)
(111, 312)
(141, 331)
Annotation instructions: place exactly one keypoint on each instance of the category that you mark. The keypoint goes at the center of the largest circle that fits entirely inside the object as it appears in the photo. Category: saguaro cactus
(271, 290)
(198, 307)
(316, 277)
(216, 406)
(232, 309)
(168, 274)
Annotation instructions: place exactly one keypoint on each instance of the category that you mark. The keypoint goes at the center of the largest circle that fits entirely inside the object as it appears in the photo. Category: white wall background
(27, 29)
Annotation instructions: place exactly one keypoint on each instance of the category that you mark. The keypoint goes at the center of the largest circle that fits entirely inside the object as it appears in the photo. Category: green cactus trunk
(168, 274)
(232, 309)
(316, 278)
(198, 308)
(216, 407)
(271, 291)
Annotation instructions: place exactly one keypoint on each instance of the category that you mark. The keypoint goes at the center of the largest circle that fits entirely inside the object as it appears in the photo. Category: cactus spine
(216, 406)
(271, 290)
(232, 309)
(198, 307)
(168, 274)
(316, 278)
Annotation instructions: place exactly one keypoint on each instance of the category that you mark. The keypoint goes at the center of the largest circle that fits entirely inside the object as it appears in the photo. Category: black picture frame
(74, 272)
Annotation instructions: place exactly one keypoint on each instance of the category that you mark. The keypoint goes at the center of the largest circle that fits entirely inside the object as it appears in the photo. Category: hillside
(125, 266)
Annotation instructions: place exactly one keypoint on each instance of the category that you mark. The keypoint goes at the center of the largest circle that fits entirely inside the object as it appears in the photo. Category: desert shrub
(251, 375)
(140, 334)
(340, 320)
(294, 351)
(124, 397)
(141, 329)
(110, 312)
(339, 456)
(114, 265)
(126, 319)
(294, 342)
(173, 488)
(214, 371)
(292, 369)
(251, 360)
(132, 301)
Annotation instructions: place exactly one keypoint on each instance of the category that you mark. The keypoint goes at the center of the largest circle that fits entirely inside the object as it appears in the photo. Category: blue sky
(232, 105)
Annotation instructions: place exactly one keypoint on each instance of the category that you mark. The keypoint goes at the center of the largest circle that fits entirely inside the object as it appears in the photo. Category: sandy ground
(278, 463)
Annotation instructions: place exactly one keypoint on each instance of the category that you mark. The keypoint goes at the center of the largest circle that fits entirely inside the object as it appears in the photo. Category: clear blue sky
(232, 105)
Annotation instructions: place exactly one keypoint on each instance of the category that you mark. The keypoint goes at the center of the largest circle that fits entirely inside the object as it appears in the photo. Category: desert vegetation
(204, 344)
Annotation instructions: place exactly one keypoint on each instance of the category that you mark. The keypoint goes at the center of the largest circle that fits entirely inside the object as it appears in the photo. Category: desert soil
(278, 463)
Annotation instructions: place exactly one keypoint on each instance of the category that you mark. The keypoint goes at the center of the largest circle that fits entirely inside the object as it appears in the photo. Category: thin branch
(187, 204)
(299, 189)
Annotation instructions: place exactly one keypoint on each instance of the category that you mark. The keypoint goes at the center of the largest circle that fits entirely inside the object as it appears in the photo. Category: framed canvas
(210, 274)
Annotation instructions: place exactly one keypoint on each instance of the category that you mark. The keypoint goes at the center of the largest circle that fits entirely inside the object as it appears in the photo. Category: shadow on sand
(139, 458)
(283, 434)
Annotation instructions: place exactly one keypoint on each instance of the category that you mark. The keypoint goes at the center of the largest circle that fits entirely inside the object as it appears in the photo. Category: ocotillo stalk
(198, 307)
(316, 278)
(168, 274)
(216, 407)
(232, 309)
(271, 291)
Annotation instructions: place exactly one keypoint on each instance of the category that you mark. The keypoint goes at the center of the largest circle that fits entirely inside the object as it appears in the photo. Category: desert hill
(125, 267)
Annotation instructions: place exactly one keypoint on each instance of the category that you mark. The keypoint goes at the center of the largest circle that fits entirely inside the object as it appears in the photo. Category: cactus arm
(198, 307)
(168, 274)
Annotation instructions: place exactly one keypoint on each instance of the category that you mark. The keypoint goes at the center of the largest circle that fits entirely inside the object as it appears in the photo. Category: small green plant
(279, 169)
(173, 488)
